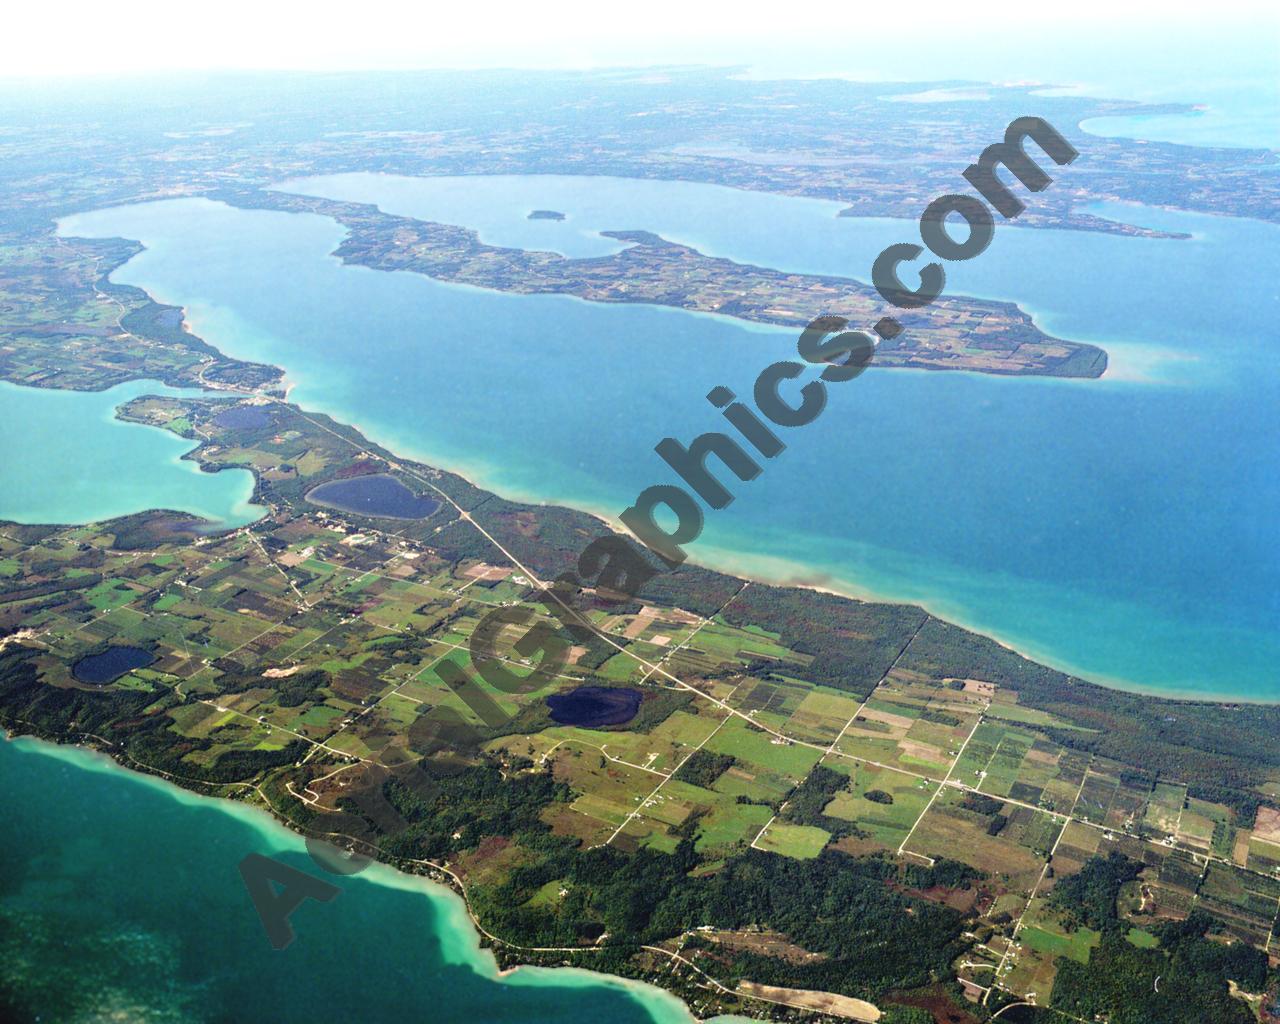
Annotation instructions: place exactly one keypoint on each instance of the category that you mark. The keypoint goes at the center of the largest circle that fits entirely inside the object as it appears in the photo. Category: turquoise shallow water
(1123, 528)
(128, 889)
(74, 462)
(121, 899)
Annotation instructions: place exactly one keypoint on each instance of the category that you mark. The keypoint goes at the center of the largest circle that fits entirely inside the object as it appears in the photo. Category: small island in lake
(546, 215)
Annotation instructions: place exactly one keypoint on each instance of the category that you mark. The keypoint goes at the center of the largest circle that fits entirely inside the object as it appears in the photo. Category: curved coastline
(783, 572)
(777, 570)
(739, 562)
(407, 880)
(466, 948)
(110, 445)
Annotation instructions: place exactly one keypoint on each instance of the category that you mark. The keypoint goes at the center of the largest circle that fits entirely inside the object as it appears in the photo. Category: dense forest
(1088, 898)
(1184, 980)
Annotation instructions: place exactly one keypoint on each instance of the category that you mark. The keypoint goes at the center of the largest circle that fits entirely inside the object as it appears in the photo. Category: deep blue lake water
(594, 706)
(1123, 528)
(111, 664)
(244, 417)
(374, 495)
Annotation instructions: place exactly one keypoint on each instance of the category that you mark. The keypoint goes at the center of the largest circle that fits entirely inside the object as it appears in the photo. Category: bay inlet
(68, 459)
(1120, 529)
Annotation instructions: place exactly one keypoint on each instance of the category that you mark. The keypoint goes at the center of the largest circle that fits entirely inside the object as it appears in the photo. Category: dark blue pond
(594, 706)
(378, 495)
(111, 664)
(243, 417)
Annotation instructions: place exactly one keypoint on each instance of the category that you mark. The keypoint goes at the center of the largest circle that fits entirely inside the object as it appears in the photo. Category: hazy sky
(96, 36)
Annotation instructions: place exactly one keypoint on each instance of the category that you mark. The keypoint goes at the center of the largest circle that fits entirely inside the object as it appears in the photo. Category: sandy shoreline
(757, 568)
(454, 908)
(786, 573)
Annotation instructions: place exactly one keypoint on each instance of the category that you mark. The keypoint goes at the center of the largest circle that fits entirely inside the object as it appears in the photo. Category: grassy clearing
(804, 842)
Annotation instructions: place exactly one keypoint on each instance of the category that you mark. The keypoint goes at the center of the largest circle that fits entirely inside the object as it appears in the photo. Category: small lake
(244, 417)
(377, 495)
(595, 706)
(111, 664)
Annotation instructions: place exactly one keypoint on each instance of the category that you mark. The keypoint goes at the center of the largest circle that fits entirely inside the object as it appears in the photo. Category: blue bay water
(67, 459)
(158, 927)
(1122, 528)
(121, 899)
